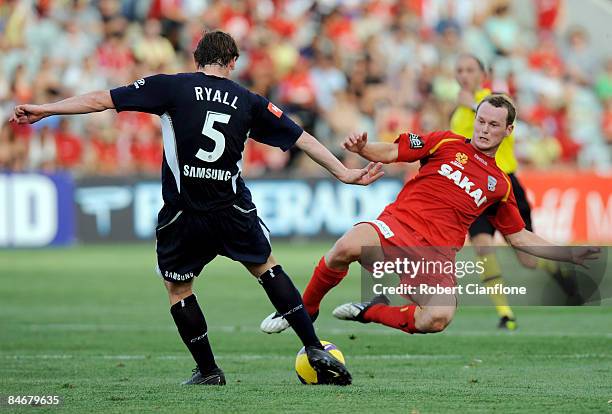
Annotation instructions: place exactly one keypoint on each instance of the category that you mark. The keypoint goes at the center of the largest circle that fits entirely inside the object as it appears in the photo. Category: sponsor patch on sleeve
(139, 83)
(416, 142)
(275, 110)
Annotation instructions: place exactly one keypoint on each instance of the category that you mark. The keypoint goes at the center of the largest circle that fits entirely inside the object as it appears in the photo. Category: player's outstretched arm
(372, 151)
(81, 104)
(531, 243)
(322, 156)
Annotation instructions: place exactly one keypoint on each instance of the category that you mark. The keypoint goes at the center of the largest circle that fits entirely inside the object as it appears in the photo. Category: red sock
(398, 317)
(322, 281)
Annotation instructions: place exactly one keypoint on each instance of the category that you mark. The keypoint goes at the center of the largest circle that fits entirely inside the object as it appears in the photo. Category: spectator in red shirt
(548, 13)
(297, 92)
(114, 55)
(69, 148)
(105, 154)
(546, 57)
(146, 150)
(551, 118)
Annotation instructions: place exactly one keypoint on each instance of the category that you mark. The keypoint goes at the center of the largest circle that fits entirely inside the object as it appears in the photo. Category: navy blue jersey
(205, 122)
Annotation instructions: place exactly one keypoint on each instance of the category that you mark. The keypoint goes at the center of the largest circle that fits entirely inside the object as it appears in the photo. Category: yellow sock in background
(491, 277)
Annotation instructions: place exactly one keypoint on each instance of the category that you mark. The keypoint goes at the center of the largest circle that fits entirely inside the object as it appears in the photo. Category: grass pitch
(92, 325)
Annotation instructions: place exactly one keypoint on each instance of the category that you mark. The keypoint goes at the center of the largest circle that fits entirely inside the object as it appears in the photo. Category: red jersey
(455, 184)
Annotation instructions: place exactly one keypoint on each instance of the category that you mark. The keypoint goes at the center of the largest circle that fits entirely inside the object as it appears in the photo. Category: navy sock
(192, 327)
(288, 302)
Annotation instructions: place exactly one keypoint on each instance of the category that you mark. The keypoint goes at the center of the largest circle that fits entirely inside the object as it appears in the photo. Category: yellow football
(304, 370)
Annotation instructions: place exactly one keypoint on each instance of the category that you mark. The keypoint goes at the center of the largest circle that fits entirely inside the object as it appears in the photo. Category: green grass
(92, 325)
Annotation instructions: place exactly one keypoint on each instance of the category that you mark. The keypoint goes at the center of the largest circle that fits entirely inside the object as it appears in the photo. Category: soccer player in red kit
(458, 181)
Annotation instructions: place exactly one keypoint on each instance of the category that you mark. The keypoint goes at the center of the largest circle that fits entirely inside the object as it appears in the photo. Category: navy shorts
(483, 225)
(187, 241)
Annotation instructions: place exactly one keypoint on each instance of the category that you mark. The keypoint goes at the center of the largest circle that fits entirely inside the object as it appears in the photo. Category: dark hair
(500, 100)
(476, 59)
(215, 48)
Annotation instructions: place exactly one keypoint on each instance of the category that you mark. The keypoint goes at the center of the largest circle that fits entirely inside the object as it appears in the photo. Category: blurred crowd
(380, 66)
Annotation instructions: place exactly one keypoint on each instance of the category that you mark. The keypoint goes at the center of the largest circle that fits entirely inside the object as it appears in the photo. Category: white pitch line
(36, 356)
(126, 357)
(252, 357)
(249, 357)
(353, 330)
(81, 327)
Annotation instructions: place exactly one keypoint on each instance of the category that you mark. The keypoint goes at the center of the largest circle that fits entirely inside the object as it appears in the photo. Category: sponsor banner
(41, 209)
(567, 207)
(570, 207)
(111, 209)
(36, 210)
(124, 210)
(320, 207)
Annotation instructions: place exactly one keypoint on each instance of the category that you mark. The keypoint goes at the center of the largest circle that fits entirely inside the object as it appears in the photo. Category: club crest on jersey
(416, 142)
(461, 157)
(275, 110)
(460, 160)
(464, 183)
(491, 183)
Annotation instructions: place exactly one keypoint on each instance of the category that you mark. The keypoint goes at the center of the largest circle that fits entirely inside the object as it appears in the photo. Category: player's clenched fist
(27, 114)
(355, 142)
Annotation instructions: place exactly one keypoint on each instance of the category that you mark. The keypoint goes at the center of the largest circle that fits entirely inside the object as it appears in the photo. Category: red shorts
(392, 233)
(399, 241)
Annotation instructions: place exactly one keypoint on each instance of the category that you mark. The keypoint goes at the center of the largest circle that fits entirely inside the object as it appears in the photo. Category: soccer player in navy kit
(206, 119)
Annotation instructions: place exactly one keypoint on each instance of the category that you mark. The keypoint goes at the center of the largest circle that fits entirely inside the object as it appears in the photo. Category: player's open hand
(364, 176)
(27, 114)
(355, 142)
(582, 253)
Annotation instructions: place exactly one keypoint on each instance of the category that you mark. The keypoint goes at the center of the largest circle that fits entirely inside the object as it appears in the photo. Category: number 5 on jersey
(219, 139)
